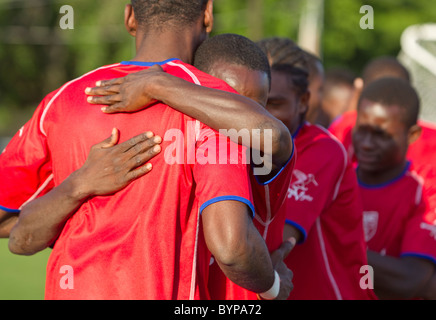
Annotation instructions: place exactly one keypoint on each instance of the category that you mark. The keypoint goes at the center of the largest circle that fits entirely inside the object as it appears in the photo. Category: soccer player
(242, 64)
(338, 93)
(421, 153)
(323, 208)
(145, 241)
(398, 229)
(377, 68)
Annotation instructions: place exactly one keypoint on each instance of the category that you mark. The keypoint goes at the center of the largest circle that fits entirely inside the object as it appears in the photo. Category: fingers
(106, 100)
(281, 253)
(111, 141)
(139, 160)
(287, 247)
(103, 91)
(114, 108)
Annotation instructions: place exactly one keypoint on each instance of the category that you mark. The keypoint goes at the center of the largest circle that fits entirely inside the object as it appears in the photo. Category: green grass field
(21, 277)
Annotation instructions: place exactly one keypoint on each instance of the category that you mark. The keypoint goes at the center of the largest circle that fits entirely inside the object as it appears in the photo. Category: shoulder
(190, 73)
(416, 183)
(318, 139)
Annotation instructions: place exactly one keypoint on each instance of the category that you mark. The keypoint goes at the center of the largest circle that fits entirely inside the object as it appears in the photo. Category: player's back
(142, 242)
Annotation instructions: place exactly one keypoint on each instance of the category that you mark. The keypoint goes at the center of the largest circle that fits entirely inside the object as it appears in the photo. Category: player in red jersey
(323, 206)
(145, 241)
(378, 68)
(242, 64)
(421, 153)
(399, 230)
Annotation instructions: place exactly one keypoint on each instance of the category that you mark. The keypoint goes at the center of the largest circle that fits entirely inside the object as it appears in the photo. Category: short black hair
(231, 48)
(338, 76)
(285, 56)
(157, 13)
(280, 50)
(385, 66)
(391, 91)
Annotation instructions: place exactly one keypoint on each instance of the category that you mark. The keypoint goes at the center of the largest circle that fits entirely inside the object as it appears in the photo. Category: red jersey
(323, 202)
(146, 241)
(396, 220)
(342, 128)
(268, 198)
(421, 153)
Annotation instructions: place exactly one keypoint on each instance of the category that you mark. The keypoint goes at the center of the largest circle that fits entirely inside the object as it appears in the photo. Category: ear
(304, 103)
(208, 17)
(414, 133)
(129, 20)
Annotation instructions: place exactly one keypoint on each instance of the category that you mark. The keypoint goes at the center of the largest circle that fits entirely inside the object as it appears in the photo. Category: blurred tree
(37, 56)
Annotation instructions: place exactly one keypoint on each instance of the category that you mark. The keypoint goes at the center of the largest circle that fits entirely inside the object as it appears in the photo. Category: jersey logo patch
(300, 186)
(370, 224)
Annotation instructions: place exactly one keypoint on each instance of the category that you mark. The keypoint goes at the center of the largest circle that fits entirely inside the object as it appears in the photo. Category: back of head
(394, 92)
(284, 51)
(339, 76)
(156, 13)
(384, 67)
(285, 56)
(232, 49)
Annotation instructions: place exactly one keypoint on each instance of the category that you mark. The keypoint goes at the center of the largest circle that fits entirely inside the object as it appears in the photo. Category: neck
(160, 46)
(374, 178)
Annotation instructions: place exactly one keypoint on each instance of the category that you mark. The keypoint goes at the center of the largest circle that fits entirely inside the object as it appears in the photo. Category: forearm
(428, 292)
(223, 110)
(399, 278)
(7, 221)
(42, 220)
(237, 246)
(252, 267)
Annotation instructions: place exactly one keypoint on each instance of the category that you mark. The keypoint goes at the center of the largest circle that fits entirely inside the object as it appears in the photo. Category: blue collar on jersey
(298, 130)
(384, 184)
(146, 64)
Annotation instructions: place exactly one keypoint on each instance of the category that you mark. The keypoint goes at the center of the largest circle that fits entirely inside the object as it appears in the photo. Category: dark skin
(216, 108)
(131, 94)
(122, 164)
(380, 140)
(109, 168)
(239, 249)
(288, 106)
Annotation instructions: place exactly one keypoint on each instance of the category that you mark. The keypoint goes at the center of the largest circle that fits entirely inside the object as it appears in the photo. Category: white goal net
(418, 54)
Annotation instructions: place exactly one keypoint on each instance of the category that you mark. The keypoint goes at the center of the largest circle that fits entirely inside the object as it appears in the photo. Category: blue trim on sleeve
(9, 210)
(300, 228)
(146, 64)
(281, 169)
(419, 255)
(226, 198)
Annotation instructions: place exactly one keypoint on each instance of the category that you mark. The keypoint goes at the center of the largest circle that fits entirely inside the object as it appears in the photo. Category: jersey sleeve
(221, 170)
(25, 164)
(314, 184)
(420, 237)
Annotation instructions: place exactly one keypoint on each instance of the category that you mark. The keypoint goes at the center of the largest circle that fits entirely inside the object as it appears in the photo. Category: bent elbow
(21, 245)
(233, 254)
(281, 144)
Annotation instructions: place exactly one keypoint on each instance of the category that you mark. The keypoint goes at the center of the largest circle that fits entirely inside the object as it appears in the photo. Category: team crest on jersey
(300, 186)
(370, 224)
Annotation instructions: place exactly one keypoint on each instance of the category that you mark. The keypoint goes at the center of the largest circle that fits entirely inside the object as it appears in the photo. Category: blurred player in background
(337, 94)
(399, 230)
(323, 207)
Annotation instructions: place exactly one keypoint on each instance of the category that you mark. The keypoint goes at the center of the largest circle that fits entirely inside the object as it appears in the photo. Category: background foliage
(37, 56)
